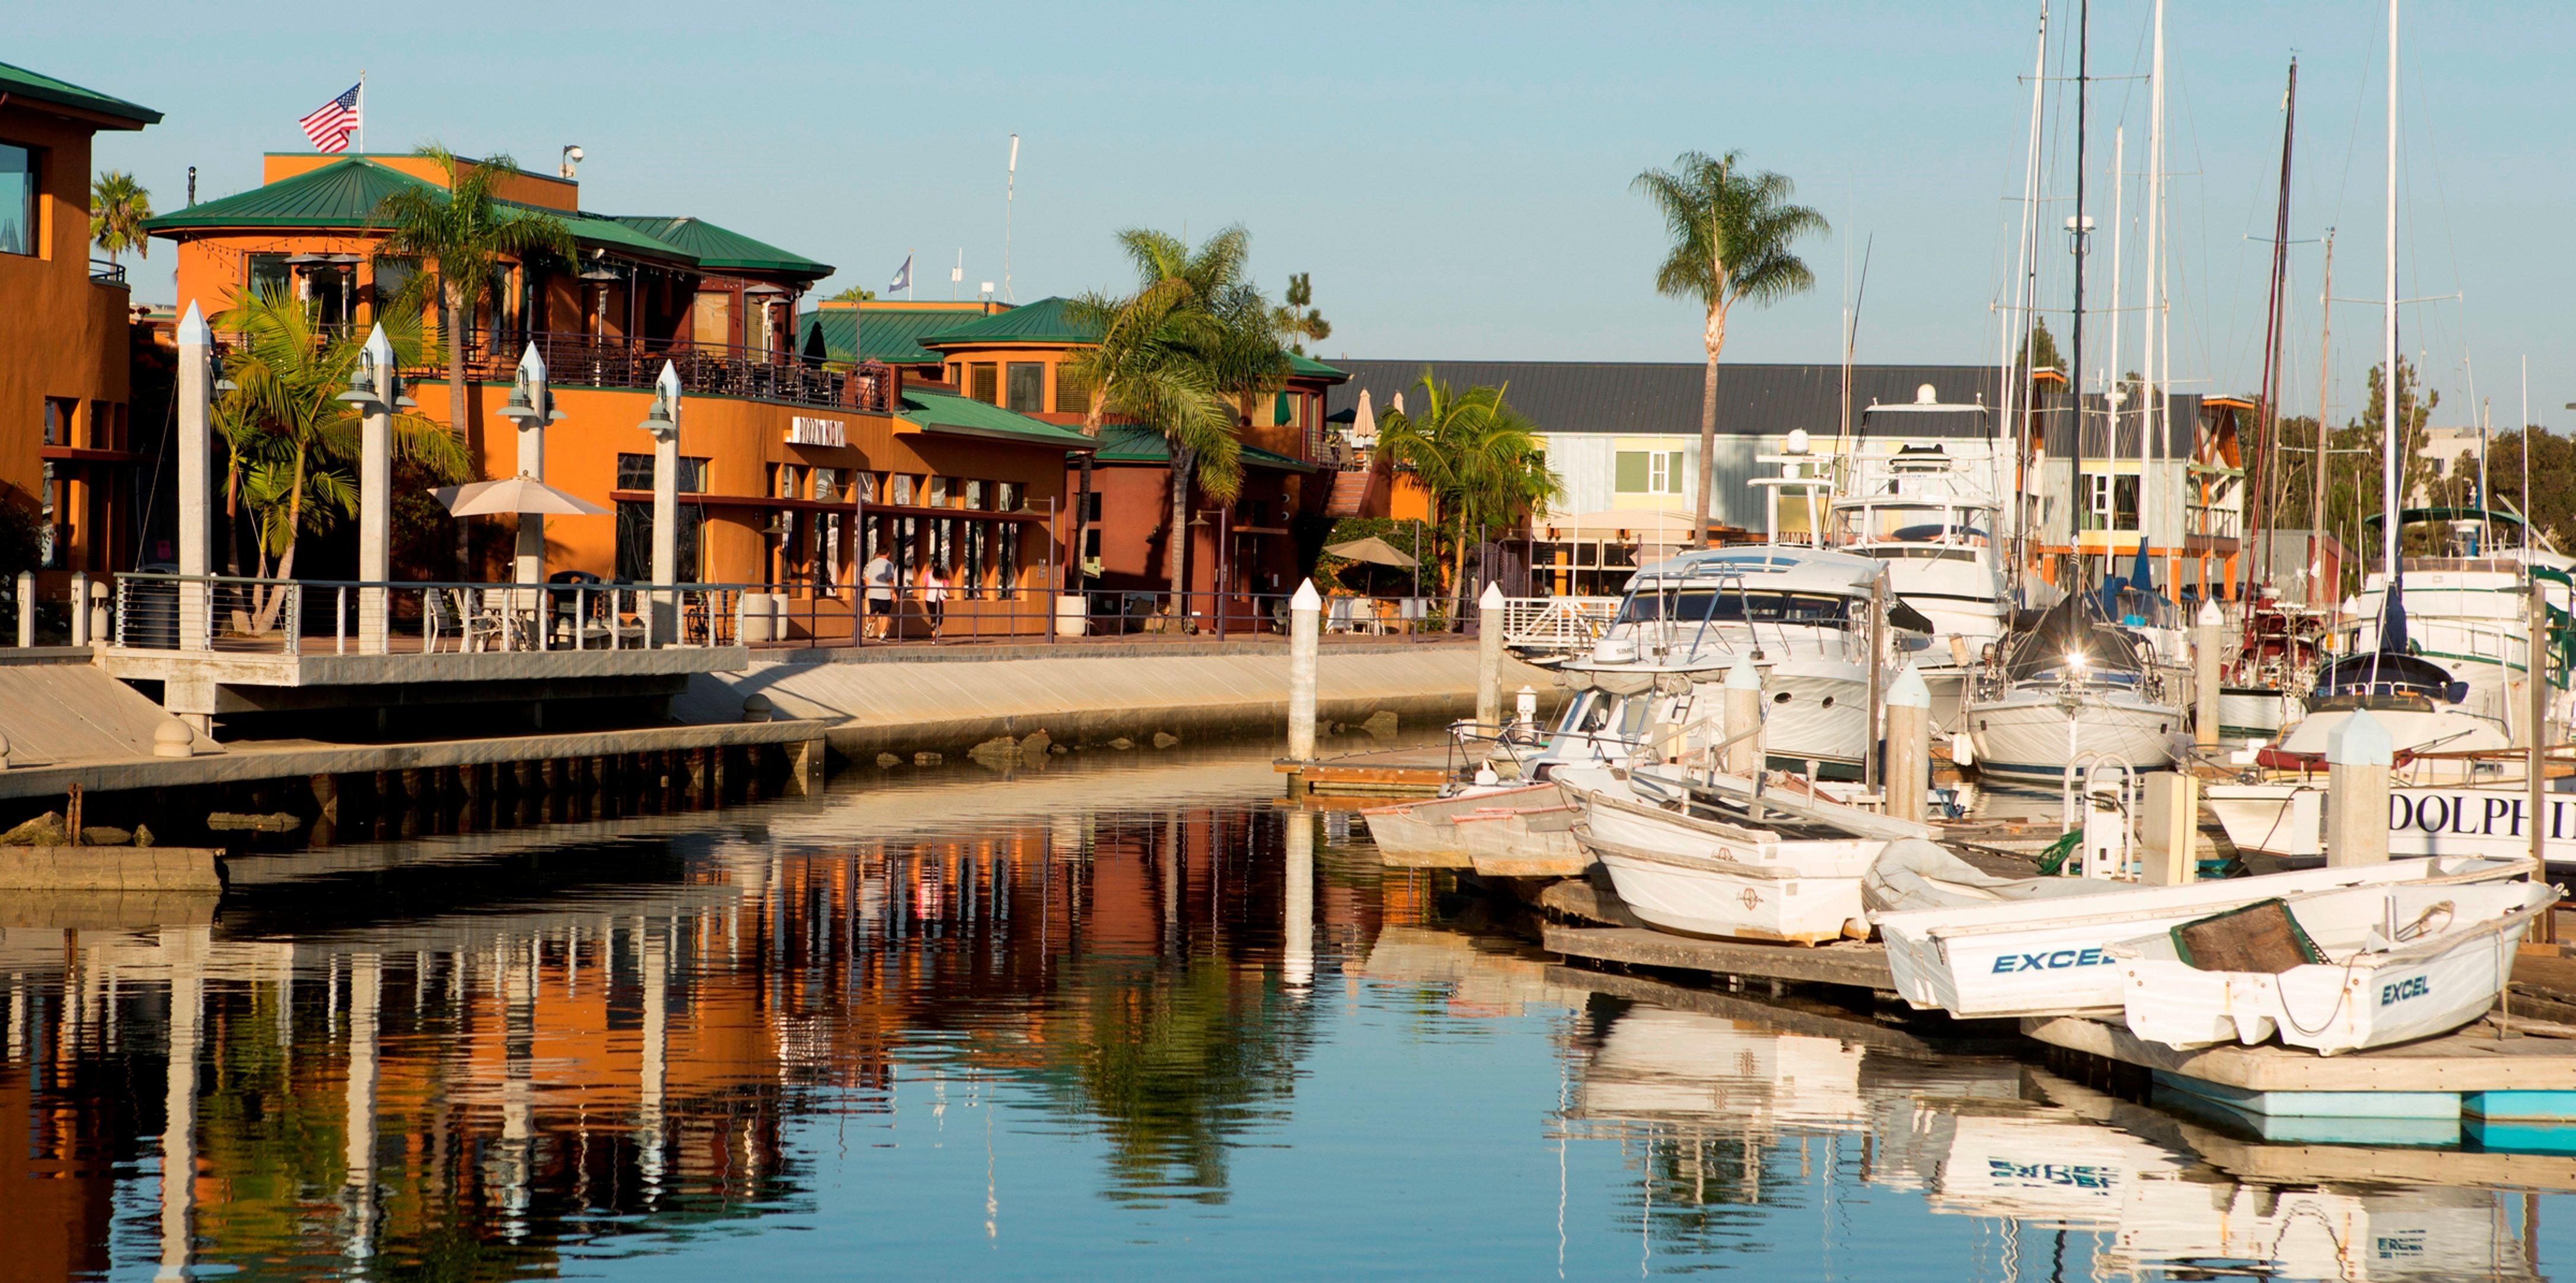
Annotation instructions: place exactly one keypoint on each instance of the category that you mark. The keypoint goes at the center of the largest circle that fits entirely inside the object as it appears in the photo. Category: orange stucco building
(66, 443)
(793, 470)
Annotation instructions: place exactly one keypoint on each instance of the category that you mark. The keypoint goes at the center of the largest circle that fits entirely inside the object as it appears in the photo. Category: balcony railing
(104, 272)
(584, 360)
(330, 617)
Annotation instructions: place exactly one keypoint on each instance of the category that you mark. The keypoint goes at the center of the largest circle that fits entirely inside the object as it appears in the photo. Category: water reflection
(1115, 1016)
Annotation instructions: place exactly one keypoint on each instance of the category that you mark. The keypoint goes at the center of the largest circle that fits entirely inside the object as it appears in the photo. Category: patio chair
(480, 623)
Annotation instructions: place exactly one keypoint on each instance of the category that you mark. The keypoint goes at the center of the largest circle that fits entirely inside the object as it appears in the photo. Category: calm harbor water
(1122, 1017)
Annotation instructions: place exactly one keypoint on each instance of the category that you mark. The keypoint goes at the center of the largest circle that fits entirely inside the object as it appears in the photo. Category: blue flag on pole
(902, 276)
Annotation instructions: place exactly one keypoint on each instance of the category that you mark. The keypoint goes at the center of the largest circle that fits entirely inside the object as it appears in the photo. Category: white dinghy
(2331, 971)
(2009, 948)
(1710, 858)
(1412, 833)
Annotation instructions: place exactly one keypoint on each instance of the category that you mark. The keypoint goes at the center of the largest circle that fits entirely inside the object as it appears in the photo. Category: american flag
(331, 124)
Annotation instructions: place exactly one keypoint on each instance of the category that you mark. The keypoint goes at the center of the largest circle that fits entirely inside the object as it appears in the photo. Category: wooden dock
(1392, 772)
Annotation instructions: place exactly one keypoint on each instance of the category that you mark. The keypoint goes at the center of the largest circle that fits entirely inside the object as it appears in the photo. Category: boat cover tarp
(1916, 873)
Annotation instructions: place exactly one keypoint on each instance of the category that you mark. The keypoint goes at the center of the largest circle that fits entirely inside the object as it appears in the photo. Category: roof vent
(1924, 395)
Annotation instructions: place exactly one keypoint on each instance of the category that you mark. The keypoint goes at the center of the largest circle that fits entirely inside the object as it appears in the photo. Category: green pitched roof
(724, 250)
(965, 416)
(345, 194)
(1128, 443)
(18, 82)
(1045, 321)
(1313, 369)
(890, 334)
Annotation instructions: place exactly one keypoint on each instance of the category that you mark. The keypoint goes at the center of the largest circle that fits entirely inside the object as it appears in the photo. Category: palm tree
(465, 230)
(1479, 460)
(1182, 356)
(1731, 235)
(292, 443)
(1298, 321)
(118, 206)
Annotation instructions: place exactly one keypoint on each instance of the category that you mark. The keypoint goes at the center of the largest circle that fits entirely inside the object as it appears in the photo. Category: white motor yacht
(2464, 593)
(2072, 691)
(1928, 510)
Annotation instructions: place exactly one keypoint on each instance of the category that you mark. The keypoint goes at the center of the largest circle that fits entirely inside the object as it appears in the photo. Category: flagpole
(362, 111)
(907, 274)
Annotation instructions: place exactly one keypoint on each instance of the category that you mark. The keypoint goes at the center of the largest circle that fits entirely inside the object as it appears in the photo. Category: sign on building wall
(807, 431)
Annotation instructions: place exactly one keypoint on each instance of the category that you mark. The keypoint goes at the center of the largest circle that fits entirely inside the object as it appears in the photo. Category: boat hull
(2025, 733)
(1424, 834)
(2287, 818)
(2051, 957)
(1702, 878)
(1535, 842)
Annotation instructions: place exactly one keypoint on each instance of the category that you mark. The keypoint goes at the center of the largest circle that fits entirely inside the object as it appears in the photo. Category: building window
(938, 493)
(1072, 392)
(1027, 387)
(270, 275)
(2111, 502)
(59, 412)
(1091, 507)
(982, 375)
(635, 520)
(899, 489)
(18, 231)
(1648, 472)
(392, 277)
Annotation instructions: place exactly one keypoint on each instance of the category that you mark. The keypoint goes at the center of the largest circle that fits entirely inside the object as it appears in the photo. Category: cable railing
(234, 615)
(609, 361)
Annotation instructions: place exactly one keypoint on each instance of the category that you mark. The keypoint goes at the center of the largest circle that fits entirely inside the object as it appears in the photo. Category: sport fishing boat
(2072, 690)
(2465, 580)
(1727, 856)
(2331, 971)
(1928, 510)
(2011, 950)
(1798, 615)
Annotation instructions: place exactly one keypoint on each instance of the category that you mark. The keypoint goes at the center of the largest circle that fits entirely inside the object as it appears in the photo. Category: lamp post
(662, 422)
(373, 390)
(532, 407)
(196, 445)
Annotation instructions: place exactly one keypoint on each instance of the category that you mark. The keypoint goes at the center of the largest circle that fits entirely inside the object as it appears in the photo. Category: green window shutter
(1279, 410)
(1629, 474)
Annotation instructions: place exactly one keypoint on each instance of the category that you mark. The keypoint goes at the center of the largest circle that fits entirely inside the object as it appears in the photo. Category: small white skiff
(1523, 842)
(2392, 964)
(2001, 955)
(1782, 879)
(1415, 834)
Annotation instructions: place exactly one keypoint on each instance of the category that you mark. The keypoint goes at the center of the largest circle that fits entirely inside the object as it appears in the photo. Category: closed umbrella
(521, 493)
(1364, 423)
(1373, 550)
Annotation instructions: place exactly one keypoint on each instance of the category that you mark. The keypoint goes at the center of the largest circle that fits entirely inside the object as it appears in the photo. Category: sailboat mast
(2016, 375)
(2260, 481)
(2317, 505)
(2077, 503)
(2114, 392)
(2392, 431)
(2154, 363)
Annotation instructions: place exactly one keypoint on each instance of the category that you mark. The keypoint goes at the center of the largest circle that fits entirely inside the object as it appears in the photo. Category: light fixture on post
(521, 409)
(571, 162)
(657, 419)
(362, 385)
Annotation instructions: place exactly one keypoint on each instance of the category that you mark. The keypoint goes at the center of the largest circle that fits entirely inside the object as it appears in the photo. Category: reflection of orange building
(65, 438)
(791, 472)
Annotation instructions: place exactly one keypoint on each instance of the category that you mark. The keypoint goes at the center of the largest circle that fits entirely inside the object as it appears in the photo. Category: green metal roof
(723, 250)
(1305, 368)
(966, 416)
(889, 334)
(1128, 443)
(1048, 320)
(18, 82)
(346, 194)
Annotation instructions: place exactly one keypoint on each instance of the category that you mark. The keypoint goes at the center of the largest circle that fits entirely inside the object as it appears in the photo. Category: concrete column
(2358, 755)
(376, 497)
(358, 1180)
(666, 502)
(80, 608)
(2205, 642)
(1305, 626)
(656, 958)
(195, 447)
(528, 558)
(1909, 746)
(1489, 656)
(2170, 829)
(1297, 928)
(1743, 715)
(26, 608)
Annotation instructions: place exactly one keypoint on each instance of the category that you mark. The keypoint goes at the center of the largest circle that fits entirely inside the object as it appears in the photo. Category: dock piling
(1909, 745)
(1743, 717)
(1305, 616)
(1489, 656)
(2358, 755)
(2205, 642)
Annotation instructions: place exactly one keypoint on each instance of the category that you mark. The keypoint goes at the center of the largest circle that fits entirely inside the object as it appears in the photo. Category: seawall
(915, 699)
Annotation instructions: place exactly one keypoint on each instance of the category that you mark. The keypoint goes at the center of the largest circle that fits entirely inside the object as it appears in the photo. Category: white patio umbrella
(521, 493)
(1364, 423)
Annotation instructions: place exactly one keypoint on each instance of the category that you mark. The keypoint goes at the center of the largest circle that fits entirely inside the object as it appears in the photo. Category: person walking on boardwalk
(879, 577)
(934, 597)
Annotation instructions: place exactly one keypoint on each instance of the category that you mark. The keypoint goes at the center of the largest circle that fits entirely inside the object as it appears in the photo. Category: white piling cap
(1492, 598)
(2362, 740)
(193, 331)
(1743, 676)
(668, 384)
(1908, 690)
(1307, 598)
(380, 349)
(2211, 616)
(532, 365)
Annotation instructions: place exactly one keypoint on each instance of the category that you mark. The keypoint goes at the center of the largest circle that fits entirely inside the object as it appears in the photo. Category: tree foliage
(118, 206)
(1297, 320)
(1480, 460)
(2353, 465)
(855, 294)
(465, 229)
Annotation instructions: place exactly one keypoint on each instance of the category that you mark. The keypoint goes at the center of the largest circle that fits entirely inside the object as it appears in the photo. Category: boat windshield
(1732, 606)
(1600, 715)
(2073, 632)
(1910, 523)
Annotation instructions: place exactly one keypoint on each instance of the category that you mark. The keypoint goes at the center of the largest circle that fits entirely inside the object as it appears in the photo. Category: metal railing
(800, 617)
(106, 272)
(225, 614)
(1556, 623)
(607, 361)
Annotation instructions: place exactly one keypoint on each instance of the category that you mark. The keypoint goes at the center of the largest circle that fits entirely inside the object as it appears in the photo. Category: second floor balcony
(610, 361)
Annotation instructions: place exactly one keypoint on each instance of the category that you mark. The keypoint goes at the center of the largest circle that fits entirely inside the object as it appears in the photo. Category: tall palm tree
(292, 443)
(1182, 356)
(118, 205)
(1480, 461)
(465, 230)
(1731, 231)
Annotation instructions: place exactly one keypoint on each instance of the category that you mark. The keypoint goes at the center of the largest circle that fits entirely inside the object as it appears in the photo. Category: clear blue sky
(1454, 176)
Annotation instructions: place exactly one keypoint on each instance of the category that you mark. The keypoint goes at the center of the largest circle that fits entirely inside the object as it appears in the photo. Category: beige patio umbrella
(1364, 422)
(521, 493)
(1373, 550)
